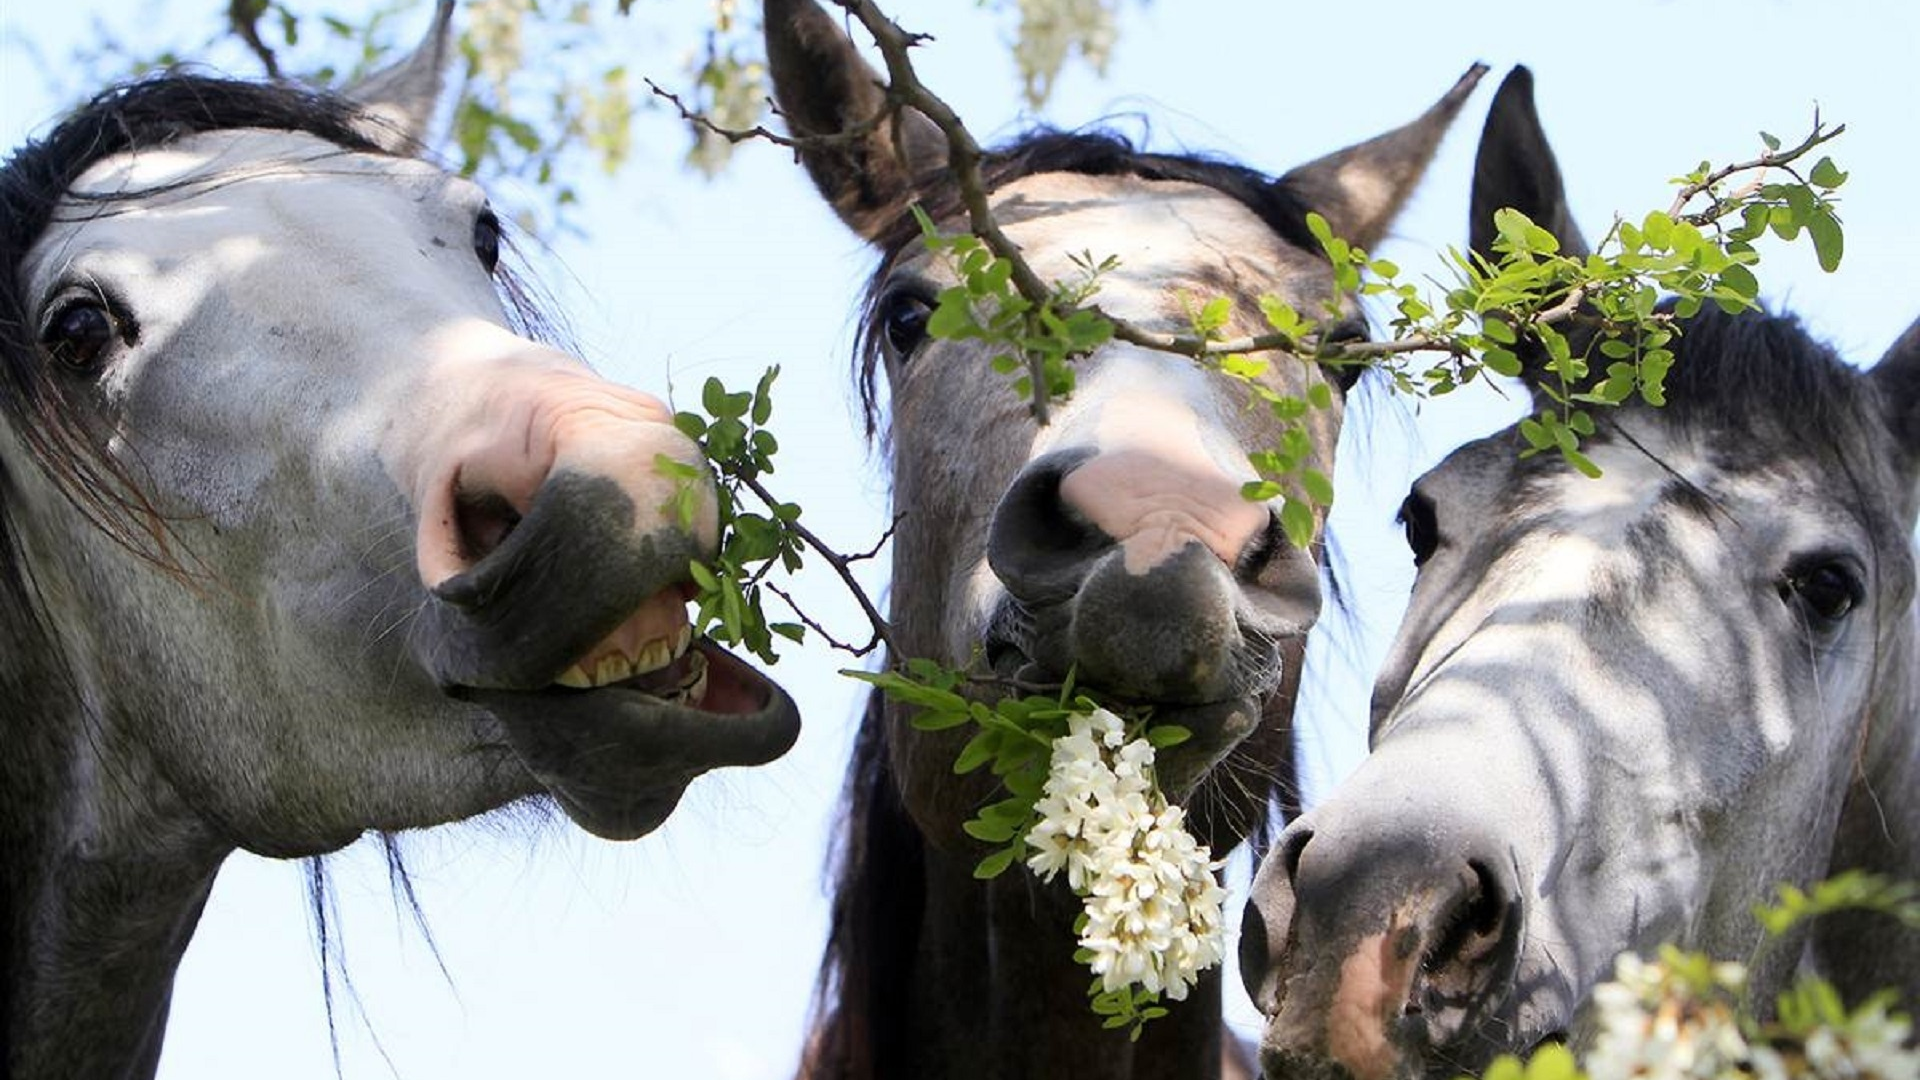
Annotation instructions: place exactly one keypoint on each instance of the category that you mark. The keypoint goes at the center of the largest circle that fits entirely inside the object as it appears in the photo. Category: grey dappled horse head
(297, 536)
(1112, 543)
(1619, 710)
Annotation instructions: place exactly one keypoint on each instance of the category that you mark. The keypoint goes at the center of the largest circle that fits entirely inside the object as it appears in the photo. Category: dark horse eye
(1423, 532)
(486, 240)
(903, 322)
(1828, 590)
(78, 335)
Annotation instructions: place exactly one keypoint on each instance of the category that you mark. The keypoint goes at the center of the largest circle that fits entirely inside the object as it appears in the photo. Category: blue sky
(690, 953)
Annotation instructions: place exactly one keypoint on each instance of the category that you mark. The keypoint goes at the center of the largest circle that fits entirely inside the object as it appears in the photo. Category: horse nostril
(1260, 550)
(1470, 962)
(1037, 544)
(484, 521)
(1292, 847)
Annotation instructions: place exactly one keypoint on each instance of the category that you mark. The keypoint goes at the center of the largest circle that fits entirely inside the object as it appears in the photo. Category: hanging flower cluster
(1678, 1018)
(1152, 914)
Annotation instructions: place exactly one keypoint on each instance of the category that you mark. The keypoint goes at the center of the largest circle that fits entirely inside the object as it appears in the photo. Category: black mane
(1762, 372)
(1094, 152)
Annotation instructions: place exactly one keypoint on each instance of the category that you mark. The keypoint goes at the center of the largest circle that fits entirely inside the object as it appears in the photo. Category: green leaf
(1317, 486)
(993, 832)
(1296, 520)
(1828, 242)
(996, 864)
(1502, 361)
(1162, 736)
(1826, 174)
(979, 750)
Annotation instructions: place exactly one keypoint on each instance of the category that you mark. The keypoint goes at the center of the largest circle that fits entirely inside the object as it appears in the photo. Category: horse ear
(398, 101)
(1897, 377)
(1360, 189)
(1516, 168)
(865, 164)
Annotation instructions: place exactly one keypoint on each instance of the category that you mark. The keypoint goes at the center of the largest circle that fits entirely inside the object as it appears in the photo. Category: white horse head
(1619, 711)
(302, 534)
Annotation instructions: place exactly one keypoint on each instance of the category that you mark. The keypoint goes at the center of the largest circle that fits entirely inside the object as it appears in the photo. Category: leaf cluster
(733, 436)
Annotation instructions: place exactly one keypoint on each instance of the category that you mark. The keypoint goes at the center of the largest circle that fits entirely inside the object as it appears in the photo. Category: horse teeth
(696, 689)
(682, 640)
(696, 670)
(575, 677)
(611, 669)
(654, 655)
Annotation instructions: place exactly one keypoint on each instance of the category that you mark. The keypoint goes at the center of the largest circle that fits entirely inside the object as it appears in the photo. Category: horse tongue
(617, 761)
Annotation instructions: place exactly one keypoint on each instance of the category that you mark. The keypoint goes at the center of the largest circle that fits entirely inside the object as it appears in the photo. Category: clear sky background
(691, 953)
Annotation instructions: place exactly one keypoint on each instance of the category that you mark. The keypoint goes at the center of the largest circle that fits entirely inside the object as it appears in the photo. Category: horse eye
(1423, 532)
(903, 322)
(486, 240)
(1828, 590)
(78, 335)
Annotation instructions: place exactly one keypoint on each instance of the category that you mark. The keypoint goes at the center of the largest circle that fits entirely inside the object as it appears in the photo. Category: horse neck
(101, 881)
(933, 974)
(1879, 831)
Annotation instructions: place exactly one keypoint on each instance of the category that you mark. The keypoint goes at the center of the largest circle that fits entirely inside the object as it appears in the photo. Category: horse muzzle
(1116, 572)
(572, 632)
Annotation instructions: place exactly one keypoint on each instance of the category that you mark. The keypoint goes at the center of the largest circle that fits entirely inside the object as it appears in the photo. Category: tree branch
(243, 18)
(842, 567)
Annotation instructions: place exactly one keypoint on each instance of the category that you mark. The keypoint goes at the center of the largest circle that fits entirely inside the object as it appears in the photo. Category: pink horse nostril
(482, 522)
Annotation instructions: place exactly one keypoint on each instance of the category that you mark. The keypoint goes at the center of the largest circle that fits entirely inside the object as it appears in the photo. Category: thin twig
(819, 630)
(739, 135)
(842, 566)
(243, 18)
(1769, 160)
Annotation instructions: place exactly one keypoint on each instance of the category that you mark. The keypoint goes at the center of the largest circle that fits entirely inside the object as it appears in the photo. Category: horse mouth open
(621, 731)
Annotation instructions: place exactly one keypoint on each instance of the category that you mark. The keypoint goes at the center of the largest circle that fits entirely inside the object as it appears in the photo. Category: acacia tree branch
(1769, 160)
(698, 119)
(842, 567)
(243, 18)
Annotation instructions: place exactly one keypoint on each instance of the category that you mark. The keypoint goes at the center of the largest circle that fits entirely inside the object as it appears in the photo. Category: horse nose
(1370, 946)
(550, 526)
(1134, 567)
(538, 430)
(1069, 507)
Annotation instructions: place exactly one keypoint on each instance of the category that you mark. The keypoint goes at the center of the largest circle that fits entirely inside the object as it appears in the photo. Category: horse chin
(617, 758)
(1218, 725)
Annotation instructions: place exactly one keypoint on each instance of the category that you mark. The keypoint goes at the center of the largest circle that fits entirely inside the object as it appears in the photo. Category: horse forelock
(1091, 152)
(1759, 372)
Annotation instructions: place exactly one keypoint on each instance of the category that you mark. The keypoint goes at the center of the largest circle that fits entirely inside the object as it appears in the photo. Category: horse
(303, 533)
(1111, 544)
(1619, 711)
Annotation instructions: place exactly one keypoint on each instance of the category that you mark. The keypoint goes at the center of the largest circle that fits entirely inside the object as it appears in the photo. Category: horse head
(1619, 710)
(1111, 543)
(302, 533)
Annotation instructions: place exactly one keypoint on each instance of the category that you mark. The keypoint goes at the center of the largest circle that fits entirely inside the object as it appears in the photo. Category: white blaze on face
(1170, 460)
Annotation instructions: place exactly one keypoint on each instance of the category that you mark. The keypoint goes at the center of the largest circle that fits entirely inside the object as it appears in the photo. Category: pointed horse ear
(1516, 168)
(1897, 377)
(398, 102)
(1360, 189)
(863, 162)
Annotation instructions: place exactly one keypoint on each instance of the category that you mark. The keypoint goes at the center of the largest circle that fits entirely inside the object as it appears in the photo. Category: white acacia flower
(1654, 1025)
(1152, 903)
